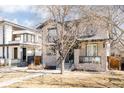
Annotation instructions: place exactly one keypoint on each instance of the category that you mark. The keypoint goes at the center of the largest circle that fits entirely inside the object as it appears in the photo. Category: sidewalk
(32, 74)
(15, 80)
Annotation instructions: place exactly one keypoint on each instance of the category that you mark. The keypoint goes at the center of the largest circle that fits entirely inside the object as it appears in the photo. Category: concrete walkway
(33, 73)
(15, 80)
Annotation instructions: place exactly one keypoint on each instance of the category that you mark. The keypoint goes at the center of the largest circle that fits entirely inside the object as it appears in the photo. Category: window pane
(24, 37)
(89, 53)
(52, 35)
(32, 38)
(29, 38)
(92, 50)
(97, 59)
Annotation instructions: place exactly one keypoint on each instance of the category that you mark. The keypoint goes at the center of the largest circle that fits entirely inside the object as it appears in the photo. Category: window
(52, 35)
(33, 38)
(25, 37)
(29, 38)
(92, 50)
(91, 55)
(16, 37)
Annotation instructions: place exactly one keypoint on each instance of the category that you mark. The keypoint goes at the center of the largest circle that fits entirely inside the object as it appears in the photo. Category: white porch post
(20, 53)
(10, 61)
(10, 55)
(43, 57)
(76, 57)
(107, 54)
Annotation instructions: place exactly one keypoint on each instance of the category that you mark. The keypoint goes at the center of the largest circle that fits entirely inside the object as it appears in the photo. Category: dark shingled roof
(92, 38)
(97, 36)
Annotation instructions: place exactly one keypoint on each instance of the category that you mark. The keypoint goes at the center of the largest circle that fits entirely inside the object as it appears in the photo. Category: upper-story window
(29, 38)
(52, 35)
(33, 38)
(25, 37)
(16, 37)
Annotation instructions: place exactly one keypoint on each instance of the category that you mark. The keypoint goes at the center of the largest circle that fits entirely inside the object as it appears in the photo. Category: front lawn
(75, 79)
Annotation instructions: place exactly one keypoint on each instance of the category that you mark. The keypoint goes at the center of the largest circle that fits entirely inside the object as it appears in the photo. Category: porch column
(76, 57)
(19, 52)
(10, 55)
(107, 54)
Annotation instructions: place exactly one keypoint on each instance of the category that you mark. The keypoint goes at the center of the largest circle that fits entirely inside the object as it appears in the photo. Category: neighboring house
(91, 55)
(117, 46)
(17, 42)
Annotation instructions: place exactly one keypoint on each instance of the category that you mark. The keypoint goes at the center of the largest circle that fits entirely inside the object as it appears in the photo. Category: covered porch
(19, 55)
(92, 55)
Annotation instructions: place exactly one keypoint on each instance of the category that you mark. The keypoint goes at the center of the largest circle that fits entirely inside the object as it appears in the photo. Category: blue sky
(24, 15)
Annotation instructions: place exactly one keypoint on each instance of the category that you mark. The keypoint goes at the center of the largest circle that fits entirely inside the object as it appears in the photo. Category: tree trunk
(62, 66)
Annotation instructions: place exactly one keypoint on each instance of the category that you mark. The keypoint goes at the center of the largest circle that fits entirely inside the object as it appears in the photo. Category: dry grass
(8, 75)
(75, 79)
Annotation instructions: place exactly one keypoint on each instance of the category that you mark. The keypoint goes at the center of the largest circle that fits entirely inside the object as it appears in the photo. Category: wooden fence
(114, 63)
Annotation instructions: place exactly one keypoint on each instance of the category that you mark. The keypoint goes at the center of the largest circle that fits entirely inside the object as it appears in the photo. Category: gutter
(3, 41)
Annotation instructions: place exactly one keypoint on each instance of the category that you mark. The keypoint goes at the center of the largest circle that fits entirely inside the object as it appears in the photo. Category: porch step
(22, 64)
(67, 66)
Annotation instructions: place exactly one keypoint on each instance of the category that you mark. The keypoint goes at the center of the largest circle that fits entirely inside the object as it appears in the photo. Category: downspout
(42, 51)
(3, 41)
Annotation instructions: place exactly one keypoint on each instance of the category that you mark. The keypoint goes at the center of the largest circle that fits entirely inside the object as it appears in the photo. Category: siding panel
(8, 34)
(1, 34)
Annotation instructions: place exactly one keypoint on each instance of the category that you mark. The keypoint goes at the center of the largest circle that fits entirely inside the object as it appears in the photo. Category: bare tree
(71, 22)
(69, 28)
(66, 30)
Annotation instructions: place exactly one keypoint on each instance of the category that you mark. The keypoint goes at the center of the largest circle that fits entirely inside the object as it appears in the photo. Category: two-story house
(17, 42)
(91, 55)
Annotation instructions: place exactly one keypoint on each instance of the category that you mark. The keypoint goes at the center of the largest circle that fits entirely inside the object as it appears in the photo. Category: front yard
(74, 79)
(10, 75)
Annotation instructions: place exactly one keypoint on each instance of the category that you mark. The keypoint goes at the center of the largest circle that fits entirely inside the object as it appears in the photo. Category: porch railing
(23, 42)
(15, 42)
(89, 59)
